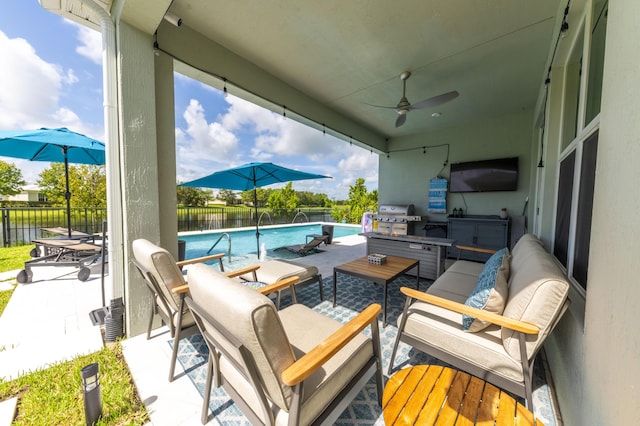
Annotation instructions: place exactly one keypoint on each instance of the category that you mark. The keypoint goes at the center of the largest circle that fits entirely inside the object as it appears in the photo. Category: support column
(139, 163)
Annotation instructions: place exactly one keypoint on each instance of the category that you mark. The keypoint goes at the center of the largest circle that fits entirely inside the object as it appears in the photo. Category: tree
(312, 199)
(193, 197)
(11, 181)
(87, 184)
(361, 201)
(284, 199)
(262, 195)
(227, 195)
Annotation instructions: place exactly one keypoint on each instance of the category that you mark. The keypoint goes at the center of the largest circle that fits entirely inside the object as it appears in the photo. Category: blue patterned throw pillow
(490, 293)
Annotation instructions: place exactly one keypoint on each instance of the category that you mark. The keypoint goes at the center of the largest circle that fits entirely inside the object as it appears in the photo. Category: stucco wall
(404, 176)
(597, 369)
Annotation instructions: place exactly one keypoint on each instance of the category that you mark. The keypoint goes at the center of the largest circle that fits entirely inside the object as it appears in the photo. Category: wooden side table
(435, 395)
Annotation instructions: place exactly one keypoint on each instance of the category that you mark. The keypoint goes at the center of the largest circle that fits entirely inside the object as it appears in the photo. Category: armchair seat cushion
(305, 328)
(276, 270)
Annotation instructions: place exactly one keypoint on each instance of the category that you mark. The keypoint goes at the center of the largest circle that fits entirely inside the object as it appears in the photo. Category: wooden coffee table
(379, 274)
(432, 394)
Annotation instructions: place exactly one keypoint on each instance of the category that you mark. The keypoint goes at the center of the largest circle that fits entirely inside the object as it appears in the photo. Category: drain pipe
(113, 171)
(112, 139)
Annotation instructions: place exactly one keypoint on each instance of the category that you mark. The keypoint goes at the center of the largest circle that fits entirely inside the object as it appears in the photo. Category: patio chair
(293, 366)
(311, 246)
(168, 287)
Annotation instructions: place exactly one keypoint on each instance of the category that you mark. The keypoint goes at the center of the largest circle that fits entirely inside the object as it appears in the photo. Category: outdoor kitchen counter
(430, 251)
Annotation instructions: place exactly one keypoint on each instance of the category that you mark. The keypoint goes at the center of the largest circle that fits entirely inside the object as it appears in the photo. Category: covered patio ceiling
(349, 54)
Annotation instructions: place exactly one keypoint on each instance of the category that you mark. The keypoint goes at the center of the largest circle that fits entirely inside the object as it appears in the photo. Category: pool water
(243, 242)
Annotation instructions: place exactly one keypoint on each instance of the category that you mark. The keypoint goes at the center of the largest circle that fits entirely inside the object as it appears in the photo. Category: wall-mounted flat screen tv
(484, 176)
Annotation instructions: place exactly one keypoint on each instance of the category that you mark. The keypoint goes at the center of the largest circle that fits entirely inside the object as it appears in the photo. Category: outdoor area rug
(354, 294)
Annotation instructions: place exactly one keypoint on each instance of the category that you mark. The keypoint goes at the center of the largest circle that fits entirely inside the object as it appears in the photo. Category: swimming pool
(243, 241)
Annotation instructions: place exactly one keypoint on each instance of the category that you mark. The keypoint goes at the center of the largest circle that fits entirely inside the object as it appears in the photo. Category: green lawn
(12, 258)
(54, 395)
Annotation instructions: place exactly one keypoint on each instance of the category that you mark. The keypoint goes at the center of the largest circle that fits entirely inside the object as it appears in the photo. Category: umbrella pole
(67, 194)
(255, 205)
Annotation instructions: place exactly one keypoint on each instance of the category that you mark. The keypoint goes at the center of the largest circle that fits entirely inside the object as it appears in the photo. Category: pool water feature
(243, 242)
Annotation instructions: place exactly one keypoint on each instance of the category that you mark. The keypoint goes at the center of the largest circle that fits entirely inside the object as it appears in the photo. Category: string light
(224, 89)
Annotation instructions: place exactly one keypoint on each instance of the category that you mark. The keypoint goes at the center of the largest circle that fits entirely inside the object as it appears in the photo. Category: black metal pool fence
(21, 225)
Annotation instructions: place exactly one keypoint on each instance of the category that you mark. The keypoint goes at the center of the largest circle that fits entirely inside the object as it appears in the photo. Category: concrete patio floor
(178, 402)
(48, 321)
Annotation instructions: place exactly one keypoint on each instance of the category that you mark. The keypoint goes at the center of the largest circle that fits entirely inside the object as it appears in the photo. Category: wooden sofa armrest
(316, 357)
(217, 256)
(510, 323)
(476, 249)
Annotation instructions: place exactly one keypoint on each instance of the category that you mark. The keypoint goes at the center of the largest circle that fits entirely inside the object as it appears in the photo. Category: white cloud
(208, 138)
(29, 86)
(360, 164)
(70, 77)
(30, 93)
(91, 44)
(245, 132)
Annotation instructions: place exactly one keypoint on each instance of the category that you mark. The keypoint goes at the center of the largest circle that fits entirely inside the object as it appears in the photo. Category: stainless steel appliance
(396, 219)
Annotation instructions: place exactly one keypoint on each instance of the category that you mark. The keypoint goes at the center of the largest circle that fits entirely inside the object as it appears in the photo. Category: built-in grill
(396, 219)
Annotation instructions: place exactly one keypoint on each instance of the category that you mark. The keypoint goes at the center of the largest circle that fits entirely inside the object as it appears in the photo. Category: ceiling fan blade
(401, 119)
(436, 100)
(381, 106)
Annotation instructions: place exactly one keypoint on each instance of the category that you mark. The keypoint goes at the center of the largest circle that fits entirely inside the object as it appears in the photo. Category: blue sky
(51, 76)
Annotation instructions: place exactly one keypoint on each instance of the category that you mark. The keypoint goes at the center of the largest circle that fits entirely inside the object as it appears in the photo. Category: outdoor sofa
(529, 296)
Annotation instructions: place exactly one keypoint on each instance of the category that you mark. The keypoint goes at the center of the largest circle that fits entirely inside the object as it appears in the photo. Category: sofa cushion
(491, 290)
(453, 286)
(439, 328)
(537, 291)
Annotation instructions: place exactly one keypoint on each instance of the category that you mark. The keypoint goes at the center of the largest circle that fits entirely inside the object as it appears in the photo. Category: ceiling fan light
(403, 111)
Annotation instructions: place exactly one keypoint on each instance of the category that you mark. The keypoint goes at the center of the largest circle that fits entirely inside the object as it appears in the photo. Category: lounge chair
(64, 253)
(311, 246)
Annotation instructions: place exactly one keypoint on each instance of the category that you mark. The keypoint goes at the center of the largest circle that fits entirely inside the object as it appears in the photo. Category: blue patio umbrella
(59, 145)
(252, 176)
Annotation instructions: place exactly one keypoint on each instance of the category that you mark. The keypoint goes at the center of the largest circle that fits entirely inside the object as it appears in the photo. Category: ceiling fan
(404, 106)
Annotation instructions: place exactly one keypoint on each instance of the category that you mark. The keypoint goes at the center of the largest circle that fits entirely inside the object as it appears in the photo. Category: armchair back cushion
(253, 319)
(537, 290)
(161, 264)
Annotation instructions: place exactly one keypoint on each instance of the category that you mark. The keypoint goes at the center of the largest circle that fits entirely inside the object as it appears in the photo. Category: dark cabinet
(489, 232)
